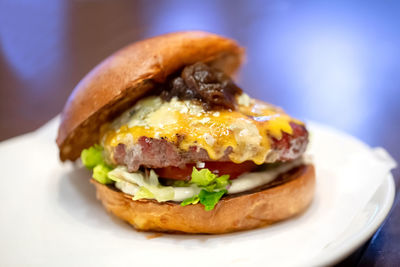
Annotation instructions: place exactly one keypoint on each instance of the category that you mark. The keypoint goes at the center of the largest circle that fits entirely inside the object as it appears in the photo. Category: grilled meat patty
(159, 153)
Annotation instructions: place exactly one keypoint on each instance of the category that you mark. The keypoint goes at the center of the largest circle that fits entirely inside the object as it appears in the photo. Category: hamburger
(175, 145)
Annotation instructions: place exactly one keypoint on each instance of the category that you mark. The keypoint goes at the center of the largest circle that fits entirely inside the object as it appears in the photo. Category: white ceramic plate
(363, 226)
(49, 215)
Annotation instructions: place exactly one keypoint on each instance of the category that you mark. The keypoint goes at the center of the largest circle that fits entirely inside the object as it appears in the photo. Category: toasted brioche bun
(121, 79)
(287, 196)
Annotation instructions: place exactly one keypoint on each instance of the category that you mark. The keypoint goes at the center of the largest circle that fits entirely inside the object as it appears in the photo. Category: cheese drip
(187, 124)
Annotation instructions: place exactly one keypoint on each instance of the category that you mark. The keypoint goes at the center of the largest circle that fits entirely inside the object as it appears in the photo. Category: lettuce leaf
(203, 177)
(100, 174)
(213, 188)
(92, 156)
(149, 186)
(143, 193)
(93, 159)
(192, 200)
(210, 199)
(180, 183)
(222, 181)
(208, 180)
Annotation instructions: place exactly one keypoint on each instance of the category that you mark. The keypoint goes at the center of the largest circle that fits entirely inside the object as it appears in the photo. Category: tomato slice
(220, 168)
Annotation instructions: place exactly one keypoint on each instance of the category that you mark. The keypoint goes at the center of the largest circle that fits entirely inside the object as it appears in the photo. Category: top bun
(118, 81)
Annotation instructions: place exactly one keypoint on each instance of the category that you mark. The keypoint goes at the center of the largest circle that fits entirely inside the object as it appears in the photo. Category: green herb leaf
(210, 199)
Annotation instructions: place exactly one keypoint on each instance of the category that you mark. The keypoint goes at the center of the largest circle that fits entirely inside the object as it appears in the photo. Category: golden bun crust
(118, 81)
(241, 212)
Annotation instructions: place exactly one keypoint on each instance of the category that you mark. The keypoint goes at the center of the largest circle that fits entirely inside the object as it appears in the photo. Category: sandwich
(175, 145)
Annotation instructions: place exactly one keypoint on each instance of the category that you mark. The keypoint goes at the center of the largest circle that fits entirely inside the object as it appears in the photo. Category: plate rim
(353, 242)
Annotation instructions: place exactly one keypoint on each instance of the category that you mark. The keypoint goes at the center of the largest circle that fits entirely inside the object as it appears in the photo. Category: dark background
(333, 62)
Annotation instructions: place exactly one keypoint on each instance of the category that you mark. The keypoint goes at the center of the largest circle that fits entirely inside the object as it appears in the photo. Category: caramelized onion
(211, 87)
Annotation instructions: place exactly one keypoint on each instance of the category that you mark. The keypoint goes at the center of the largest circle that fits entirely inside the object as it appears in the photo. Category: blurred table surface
(334, 62)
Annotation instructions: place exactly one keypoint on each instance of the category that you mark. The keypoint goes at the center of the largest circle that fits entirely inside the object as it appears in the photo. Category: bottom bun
(288, 195)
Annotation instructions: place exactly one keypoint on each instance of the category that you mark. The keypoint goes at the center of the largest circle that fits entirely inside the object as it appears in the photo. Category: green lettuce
(191, 200)
(143, 193)
(208, 180)
(93, 159)
(92, 156)
(210, 199)
(203, 177)
(222, 181)
(180, 183)
(100, 174)
(213, 188)
(149, 186)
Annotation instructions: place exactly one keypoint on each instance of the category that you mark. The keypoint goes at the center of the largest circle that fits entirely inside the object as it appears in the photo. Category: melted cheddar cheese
(246, 130)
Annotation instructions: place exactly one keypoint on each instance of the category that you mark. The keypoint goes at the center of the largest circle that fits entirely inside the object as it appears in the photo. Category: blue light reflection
(32, 56)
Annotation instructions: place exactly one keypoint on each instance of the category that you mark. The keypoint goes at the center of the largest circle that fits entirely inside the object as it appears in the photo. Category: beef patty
(159, 153)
